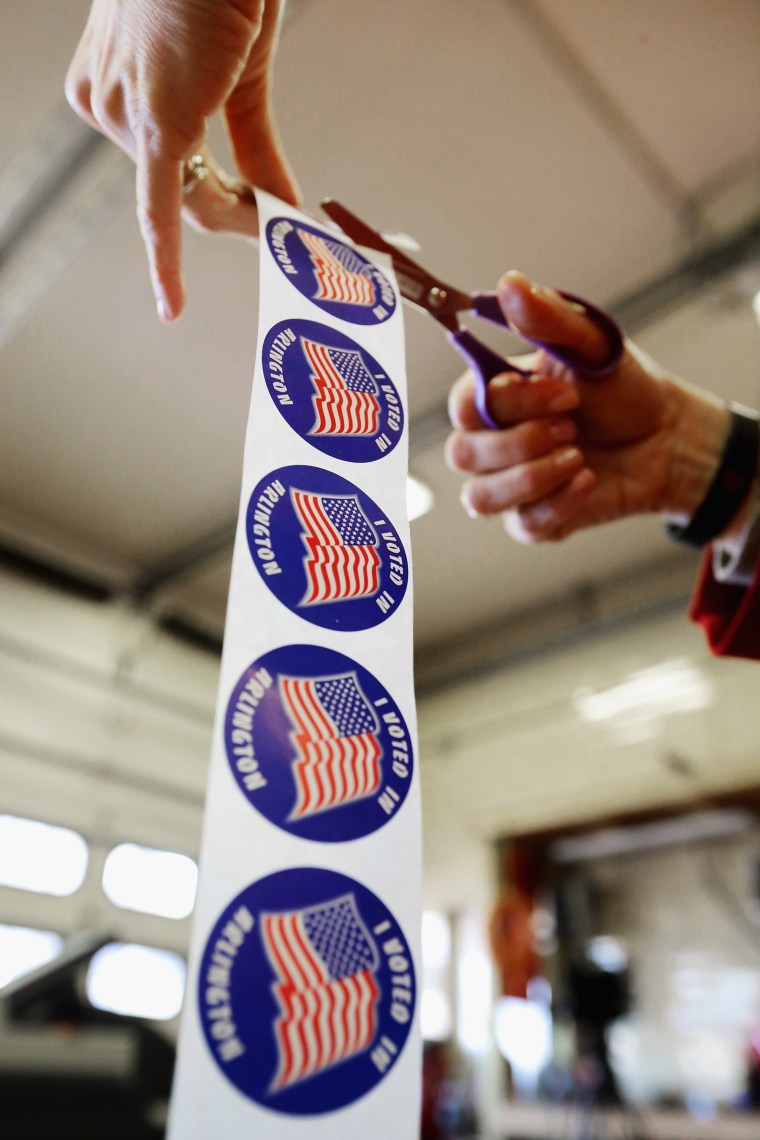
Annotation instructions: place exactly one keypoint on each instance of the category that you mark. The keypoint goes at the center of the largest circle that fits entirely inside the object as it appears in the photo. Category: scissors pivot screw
(437, 297)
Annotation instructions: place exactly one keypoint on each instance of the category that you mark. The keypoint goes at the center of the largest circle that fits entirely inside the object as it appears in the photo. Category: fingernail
(465, 501)
(505, 380)
(562, 431)
(162, 295)
(504, 287)
(510, 276)
(540, 514)
(545, 292)
(568, 457)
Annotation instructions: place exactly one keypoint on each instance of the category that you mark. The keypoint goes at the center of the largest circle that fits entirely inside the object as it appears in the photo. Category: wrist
(701, 423)
(728, 492)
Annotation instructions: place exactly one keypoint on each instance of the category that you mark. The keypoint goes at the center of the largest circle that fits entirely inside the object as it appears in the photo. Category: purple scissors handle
(486, 363)
(423, 290)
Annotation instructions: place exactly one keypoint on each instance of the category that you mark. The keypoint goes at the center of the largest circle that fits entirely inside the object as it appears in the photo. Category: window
(23, 949)
(154, 882)
(36, 856)
(435, 1001)
(139, 981)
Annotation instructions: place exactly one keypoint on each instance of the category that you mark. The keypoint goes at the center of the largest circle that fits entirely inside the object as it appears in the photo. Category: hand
(149, 75)
(575, 452)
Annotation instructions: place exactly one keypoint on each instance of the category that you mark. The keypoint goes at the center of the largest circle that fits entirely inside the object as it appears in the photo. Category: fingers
(556, 515)
(521, 484)
(217, 204)
(95, 90)
(479, 452)
(78, 87)
(511, 398)
(159, 202)
(543, 314)
(531, 471)
(259, 155)
(149, 77)
(221, 203)
(528, 460)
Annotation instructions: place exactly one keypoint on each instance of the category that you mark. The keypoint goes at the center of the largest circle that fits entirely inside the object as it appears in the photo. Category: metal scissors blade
(417, 285)
(420, 288)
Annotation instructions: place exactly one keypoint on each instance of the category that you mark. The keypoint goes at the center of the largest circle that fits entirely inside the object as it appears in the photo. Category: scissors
(443, 302)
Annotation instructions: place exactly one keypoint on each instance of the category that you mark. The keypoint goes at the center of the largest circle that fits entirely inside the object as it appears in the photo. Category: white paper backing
(240, 846)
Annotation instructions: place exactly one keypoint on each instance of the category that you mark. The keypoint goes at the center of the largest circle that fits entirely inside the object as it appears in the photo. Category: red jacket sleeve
(729, 615)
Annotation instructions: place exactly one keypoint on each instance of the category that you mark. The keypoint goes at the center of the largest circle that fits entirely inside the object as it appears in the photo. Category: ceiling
(610, 147)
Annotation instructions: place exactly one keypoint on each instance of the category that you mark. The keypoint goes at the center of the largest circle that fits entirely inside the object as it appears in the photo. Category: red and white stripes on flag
(337, 750)
(326, 988)
(345, 402)
(340, 273)
(342, 560)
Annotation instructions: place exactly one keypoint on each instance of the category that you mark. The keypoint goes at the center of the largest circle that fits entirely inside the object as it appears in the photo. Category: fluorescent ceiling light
(523, 1033)
(137, 981)
(23, 949)
(35, 856)
(435, 1014)
(419, 497)
(673, 687)
(150, 881)
(436, 940)
(474, 988)
(756, 306)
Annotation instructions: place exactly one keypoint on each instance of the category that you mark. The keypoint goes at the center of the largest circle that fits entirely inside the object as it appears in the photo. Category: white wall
(105, 727)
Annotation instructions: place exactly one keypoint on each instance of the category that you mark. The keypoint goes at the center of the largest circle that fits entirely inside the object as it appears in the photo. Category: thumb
(259, 155)
(544, 314)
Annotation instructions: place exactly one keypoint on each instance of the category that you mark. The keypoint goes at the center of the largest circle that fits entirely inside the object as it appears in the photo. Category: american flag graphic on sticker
(342, 561)
(336, 741)
(325, 963)
(313, 1006)
(325, 549)
(331, 391)
(345, 395)
(317, 744)
(341, 274)
(330, 272)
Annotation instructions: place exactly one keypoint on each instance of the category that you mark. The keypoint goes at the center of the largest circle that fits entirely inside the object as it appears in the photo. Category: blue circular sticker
(306, 991)
(325, 549)
(317, 744)
(332, 274)
(331, 391)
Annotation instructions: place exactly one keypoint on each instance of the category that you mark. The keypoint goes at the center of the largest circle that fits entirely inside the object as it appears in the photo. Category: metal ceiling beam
(56, 193)
(698, 271)
(662, 587)
(25, 203)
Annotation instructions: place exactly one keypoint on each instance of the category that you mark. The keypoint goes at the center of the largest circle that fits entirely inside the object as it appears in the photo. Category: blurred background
(590, 774)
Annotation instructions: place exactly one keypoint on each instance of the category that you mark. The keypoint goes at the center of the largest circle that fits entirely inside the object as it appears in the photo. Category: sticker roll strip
(301, 1010)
